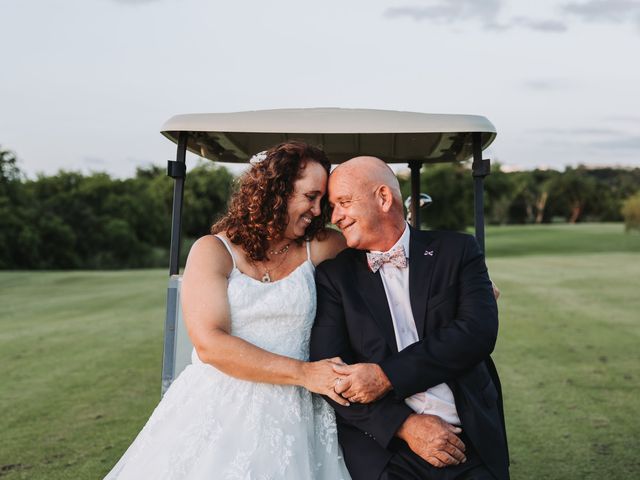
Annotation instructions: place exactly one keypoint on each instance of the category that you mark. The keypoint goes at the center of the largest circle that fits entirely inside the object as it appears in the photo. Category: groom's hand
(361, 382)
(496, 290)
(433, 439)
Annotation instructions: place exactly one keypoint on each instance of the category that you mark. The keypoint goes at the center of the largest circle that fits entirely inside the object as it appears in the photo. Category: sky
(87, 84)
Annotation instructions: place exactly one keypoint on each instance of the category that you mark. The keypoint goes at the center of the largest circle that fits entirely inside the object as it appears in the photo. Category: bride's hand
(320, 377)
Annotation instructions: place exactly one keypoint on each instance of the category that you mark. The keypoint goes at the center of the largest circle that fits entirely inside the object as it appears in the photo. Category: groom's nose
(336, 215)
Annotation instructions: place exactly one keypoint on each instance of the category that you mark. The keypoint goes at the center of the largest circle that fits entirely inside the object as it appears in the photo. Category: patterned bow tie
(395, 257)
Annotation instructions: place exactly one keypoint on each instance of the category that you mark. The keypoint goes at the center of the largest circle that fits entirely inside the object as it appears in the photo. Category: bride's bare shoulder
(209, 253)
(328, 246)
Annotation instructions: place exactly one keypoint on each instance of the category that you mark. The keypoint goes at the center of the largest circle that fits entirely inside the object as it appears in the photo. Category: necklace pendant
(266, 278)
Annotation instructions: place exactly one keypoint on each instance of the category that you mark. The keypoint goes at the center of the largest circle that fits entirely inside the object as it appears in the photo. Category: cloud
(623, 118)
(599, 138)
(551, 26)
(485, 12)
(449, 11)
(626, 143)
(603, 10)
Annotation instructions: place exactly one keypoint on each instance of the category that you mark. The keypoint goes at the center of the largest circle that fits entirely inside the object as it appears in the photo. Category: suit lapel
(372, 290)
(421, 265)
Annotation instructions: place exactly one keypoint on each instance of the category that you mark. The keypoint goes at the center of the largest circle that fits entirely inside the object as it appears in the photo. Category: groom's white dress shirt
(437, 400)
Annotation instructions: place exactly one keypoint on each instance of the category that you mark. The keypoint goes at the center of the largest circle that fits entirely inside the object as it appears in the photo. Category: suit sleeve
(468, 339)
(329, 338)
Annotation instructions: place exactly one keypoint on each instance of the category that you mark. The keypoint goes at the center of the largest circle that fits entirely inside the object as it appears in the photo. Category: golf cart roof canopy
(395, 137)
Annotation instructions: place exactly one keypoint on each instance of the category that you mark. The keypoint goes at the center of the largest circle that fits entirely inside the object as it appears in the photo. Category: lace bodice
(275, 316)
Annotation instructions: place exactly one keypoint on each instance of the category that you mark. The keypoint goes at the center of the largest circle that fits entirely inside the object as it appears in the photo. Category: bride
(243, 409)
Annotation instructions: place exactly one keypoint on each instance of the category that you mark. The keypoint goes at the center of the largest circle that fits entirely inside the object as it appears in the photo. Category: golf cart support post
(395, 137)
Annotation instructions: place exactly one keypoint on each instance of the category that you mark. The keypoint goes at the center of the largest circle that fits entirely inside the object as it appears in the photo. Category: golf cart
(395, 137)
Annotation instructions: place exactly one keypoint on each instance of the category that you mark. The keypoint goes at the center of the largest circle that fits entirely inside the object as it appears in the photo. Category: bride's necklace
(284, 249)
(266, 277)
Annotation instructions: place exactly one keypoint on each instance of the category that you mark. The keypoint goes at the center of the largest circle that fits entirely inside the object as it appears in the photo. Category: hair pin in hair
(258, 158)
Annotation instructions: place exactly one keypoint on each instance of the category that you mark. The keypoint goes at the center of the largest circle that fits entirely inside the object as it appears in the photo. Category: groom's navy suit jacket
(457, 321)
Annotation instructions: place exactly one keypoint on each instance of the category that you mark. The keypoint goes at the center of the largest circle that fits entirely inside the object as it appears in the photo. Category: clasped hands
(366, 382)
(361, 382)
(430, 437)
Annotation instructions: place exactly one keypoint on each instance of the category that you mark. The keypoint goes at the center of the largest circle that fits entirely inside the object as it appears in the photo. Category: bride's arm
(205, 308)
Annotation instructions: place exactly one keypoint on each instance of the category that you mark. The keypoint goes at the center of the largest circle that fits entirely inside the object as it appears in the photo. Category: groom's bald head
(367, 203)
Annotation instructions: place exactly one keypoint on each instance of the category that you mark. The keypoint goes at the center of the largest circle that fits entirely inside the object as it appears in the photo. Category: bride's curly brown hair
(258, 208)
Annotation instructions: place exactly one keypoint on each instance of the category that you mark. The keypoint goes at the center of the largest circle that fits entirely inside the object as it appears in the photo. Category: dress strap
(308, 250)
(228, 247)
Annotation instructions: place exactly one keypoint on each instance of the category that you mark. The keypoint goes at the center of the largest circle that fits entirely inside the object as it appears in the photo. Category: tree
(571, 192)
(451, 188)
(614, 185)
(15, 210)
(9, 171)
(206, 193)
(631, 212)
(499, 190)
(530, 196)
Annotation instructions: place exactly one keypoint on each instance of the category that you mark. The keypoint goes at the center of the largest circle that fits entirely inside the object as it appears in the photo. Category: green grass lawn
(80, 358)
(561, 238)
(570, 364)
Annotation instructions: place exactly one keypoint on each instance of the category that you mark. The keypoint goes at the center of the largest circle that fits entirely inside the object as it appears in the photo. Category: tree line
(74, 221)
(524, 197)
(70, 220)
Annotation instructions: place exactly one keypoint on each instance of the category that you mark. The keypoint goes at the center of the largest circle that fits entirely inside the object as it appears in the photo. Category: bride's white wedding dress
(212, 426)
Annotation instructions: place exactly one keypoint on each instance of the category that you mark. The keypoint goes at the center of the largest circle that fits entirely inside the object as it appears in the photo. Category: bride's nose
(315, 208)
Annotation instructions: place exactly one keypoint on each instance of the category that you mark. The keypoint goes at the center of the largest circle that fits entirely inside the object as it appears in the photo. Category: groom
(418, 317)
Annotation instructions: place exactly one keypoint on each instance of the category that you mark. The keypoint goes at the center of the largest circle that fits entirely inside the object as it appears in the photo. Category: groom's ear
(385, 196)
